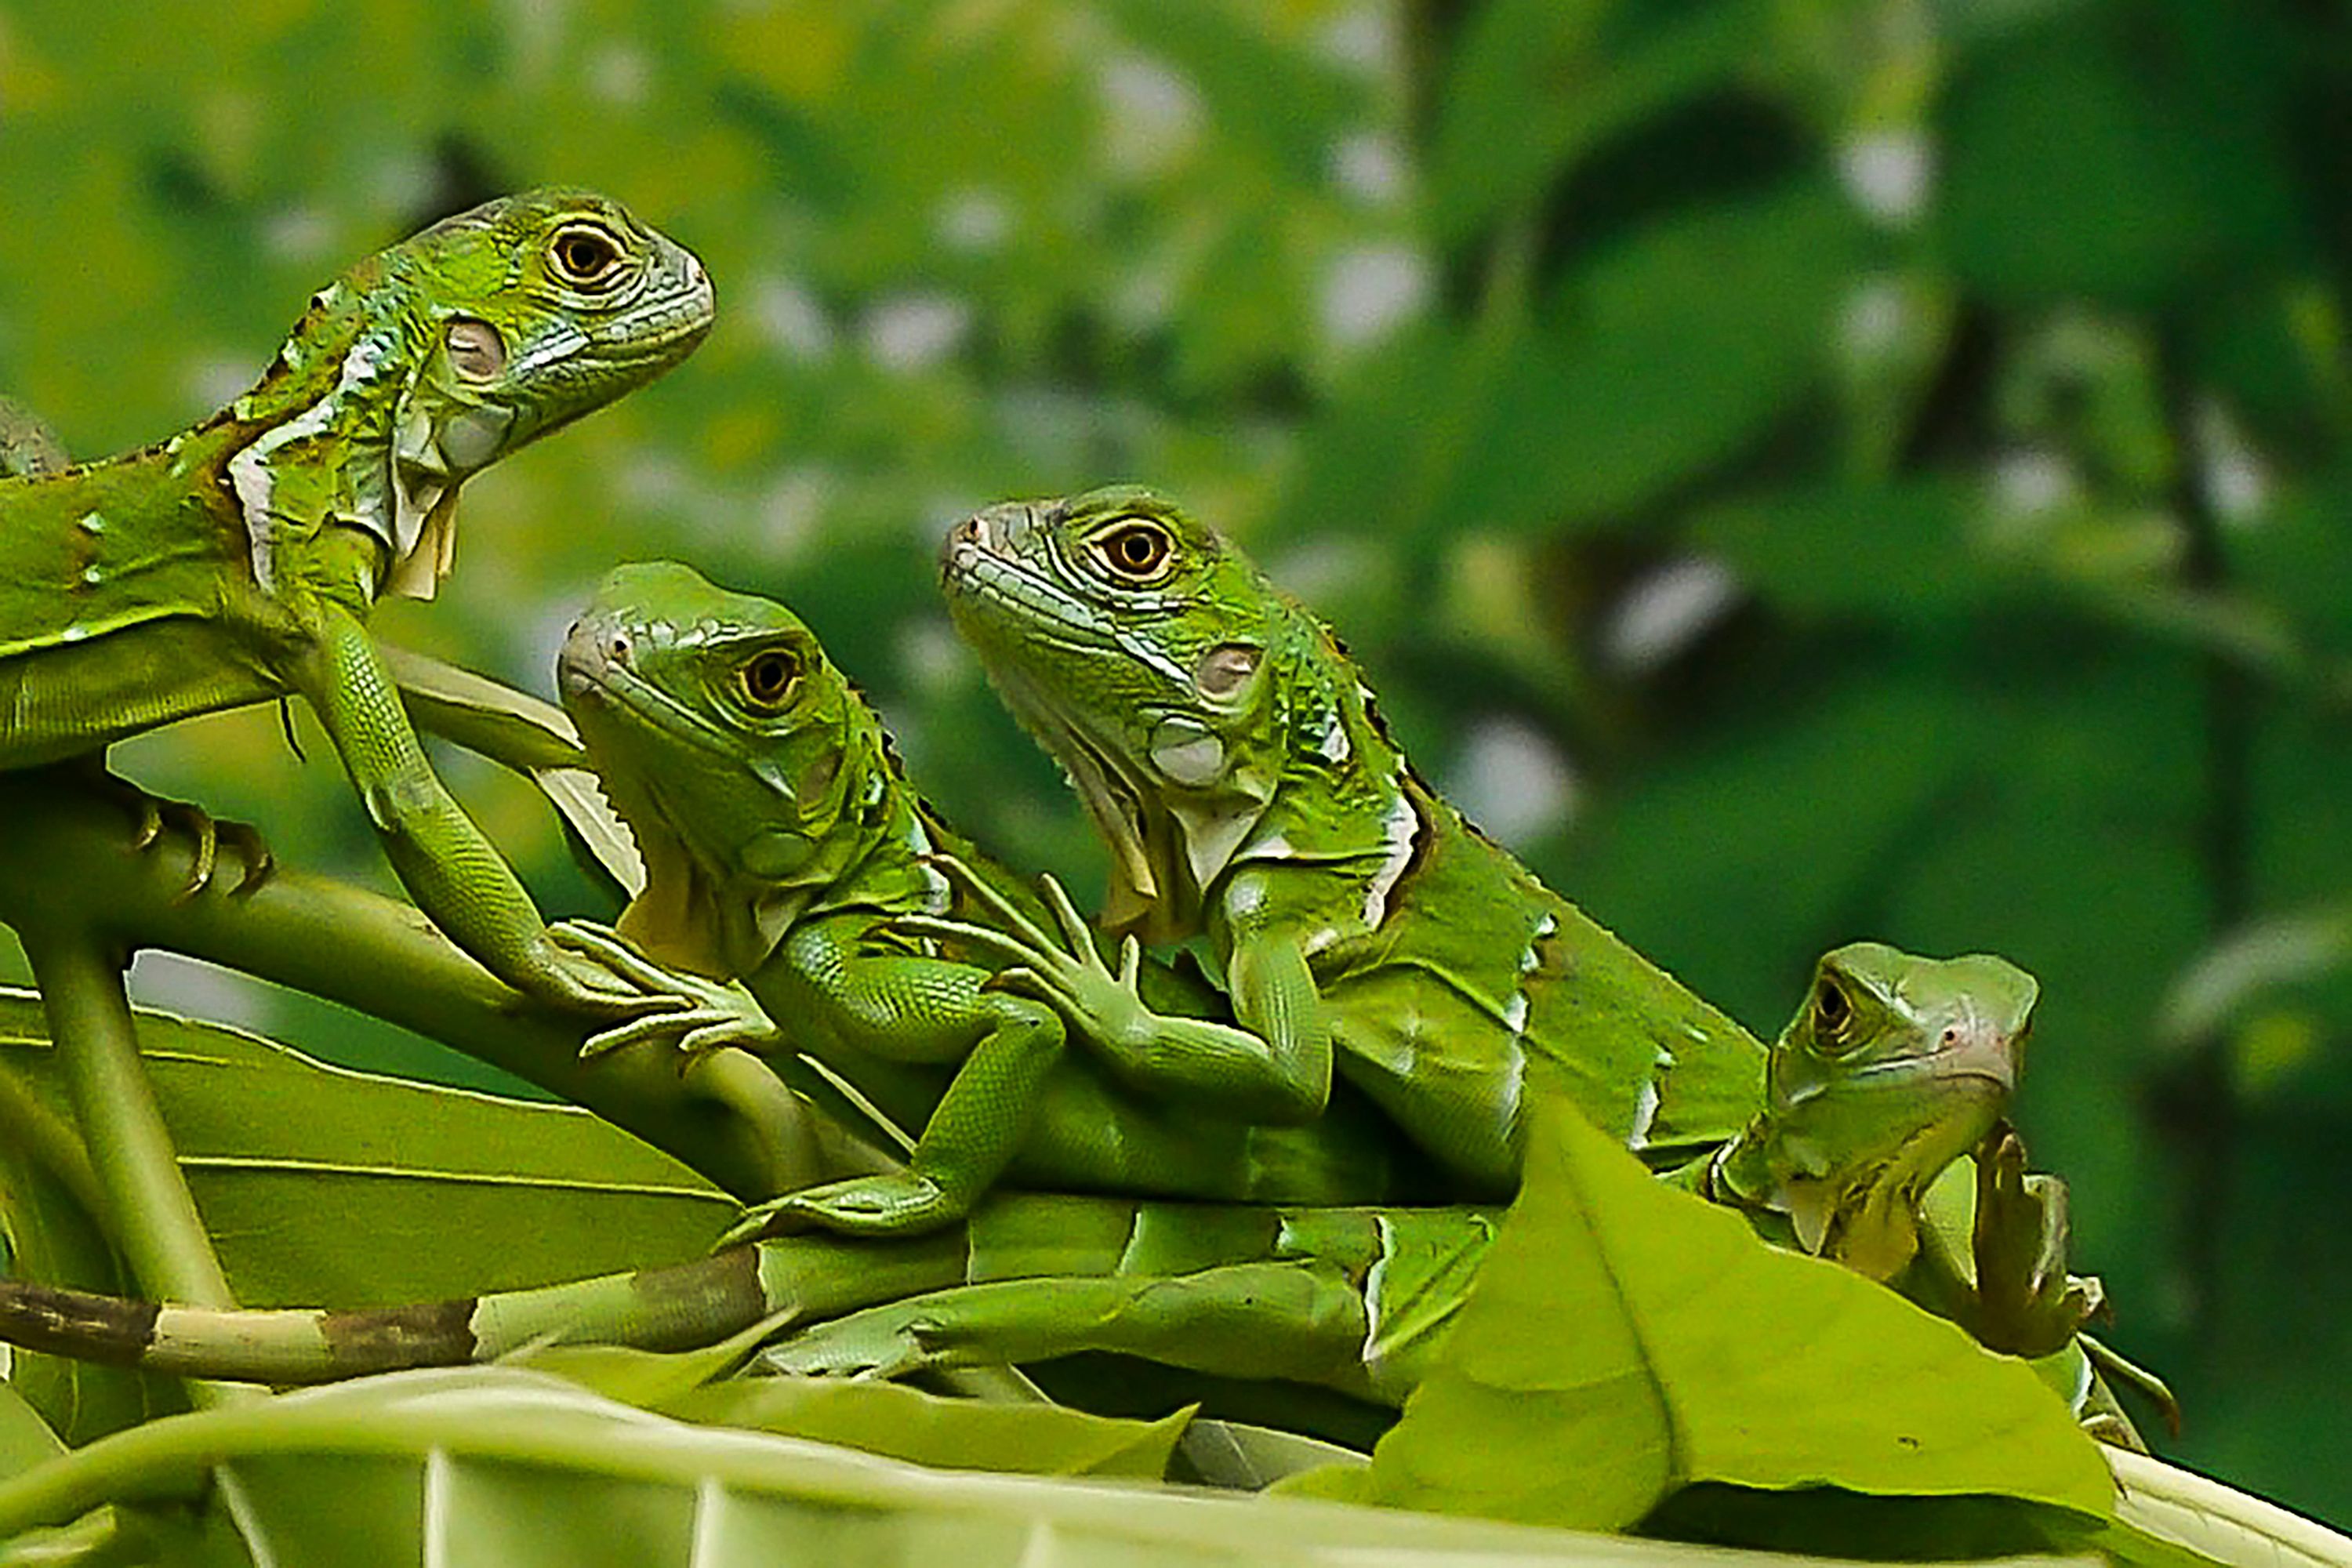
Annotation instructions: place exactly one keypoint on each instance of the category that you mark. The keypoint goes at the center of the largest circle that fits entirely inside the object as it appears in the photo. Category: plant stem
(144, 1200)
(29, 1124)
(62, 863)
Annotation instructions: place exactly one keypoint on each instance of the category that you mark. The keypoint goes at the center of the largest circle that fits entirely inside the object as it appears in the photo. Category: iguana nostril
(618, 649)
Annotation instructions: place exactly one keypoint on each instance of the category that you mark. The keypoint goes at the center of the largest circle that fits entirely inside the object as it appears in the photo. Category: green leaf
(1536, 84)
(2118, 159)
(1669, 354)
(1626, 1339)
(1857, 551)
(929, 1429)
(2197, 1516)
(489, 1464)
(1801, 808)
(326, 1186)
(47, 1233)
(26, 1439)
(1240, 1456)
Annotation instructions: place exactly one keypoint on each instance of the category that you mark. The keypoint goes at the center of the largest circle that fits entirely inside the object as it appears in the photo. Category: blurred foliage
(1798, 469)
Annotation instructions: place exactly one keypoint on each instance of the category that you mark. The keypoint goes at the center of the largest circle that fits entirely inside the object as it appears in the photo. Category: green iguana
(239, 559)
(1892, 1068)
(1363, 932)
(782, 843)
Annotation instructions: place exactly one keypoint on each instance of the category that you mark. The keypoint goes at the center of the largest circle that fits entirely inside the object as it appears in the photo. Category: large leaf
(2118, 151)
(1670, 354)
(491, 1465)
(325, 1186)
(1626, 1339)
(47, 1233)
(930, 1429)
(1535, 85)
(26, 1439)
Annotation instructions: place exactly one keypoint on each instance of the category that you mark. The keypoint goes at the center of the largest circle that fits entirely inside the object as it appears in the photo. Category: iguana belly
(1481, 988)
(65, 700)
(111, 605)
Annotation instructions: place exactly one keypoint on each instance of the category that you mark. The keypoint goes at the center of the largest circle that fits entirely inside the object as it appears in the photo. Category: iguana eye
(1833, 1014)
(1136, 549)
(769, 680)
(585, 254)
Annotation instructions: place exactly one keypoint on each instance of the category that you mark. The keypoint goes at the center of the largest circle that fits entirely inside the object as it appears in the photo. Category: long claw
(620, 1036)
(259, 863)
(1000, 942)
(610, 949)
(1019, 981)
(150, 813)
(207, 852)
(1076, 935)
(993, 901)
(1130, 963)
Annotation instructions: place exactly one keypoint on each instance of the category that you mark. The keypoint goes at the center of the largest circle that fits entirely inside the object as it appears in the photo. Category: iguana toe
(898, 1204)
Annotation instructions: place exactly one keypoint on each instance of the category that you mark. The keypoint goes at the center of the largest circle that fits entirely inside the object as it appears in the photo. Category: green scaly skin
(238, 561)
(1892, 1068)
(783, 847)
(1362, 931)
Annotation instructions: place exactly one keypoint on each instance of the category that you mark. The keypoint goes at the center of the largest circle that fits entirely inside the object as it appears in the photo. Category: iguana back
(1229, 751)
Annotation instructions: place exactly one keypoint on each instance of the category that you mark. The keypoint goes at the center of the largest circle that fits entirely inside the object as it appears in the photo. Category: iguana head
(1894, 1067)
(1174, 683)
(434, 358)
(743, 762)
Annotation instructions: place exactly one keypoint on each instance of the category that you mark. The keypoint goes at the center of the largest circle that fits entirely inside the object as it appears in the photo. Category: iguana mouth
(664, 326)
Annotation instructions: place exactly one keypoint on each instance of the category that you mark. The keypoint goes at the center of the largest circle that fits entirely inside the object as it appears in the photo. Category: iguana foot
(1062, 968)
(210, 834)
(884, 1342)
(707, 1015)
(2027, 1304)
(556, 969)
(899, 1203)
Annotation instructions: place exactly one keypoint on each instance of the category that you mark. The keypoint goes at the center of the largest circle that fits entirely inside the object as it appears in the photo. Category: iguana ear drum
(475, 348)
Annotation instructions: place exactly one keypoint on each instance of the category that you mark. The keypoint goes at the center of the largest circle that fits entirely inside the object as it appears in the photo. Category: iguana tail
(1414, 1256)
(674, 1308)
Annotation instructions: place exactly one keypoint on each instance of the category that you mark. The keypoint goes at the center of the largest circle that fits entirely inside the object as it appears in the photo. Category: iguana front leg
(1271, 1065)
(2025, 1301)
(455, 874)
(913, 1009)
(1303, 1320)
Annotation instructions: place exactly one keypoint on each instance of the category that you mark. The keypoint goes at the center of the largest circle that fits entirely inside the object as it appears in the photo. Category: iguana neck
(1320, 781)
(1862, 1212)
(720, 900)
(341, 376)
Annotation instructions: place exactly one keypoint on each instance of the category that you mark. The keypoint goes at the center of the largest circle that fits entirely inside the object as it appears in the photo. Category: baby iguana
(1230, 755)
(1891, 1067)
(239, 559)
(783, 845)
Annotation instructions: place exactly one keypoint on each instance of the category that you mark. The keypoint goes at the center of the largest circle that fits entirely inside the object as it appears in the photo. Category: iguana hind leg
(1300, 1319)
(970, 1138)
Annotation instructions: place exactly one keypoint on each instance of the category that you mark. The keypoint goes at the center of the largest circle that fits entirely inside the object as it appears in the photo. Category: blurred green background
(1796, 469)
